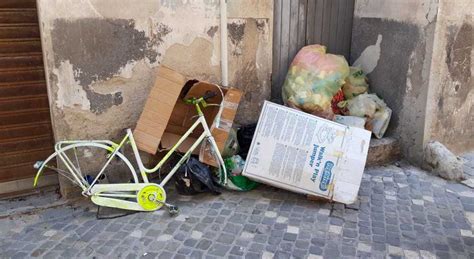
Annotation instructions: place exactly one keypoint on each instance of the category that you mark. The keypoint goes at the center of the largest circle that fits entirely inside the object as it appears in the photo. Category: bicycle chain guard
(148, 196)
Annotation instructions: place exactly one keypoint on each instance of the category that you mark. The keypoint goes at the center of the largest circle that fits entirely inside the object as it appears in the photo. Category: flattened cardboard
(221, 132)
(161, 128)
(158, 109)
(303, 153)
(184, 116)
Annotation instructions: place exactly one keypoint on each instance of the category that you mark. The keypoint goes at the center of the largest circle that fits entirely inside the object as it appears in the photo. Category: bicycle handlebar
(209, 94)
(193, 100)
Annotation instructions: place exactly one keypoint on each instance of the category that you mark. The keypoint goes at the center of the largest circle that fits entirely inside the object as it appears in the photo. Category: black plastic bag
(194, 177)
(245, 136)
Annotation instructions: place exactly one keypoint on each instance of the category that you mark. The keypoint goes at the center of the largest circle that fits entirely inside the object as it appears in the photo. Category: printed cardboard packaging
(303, 153)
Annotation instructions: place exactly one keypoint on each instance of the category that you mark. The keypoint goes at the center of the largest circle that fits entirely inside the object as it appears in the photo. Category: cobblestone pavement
(468, 159)
(401, 212)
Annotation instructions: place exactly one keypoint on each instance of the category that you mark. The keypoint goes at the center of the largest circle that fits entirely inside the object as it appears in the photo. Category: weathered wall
(451, 110)
(100, 56)
(393, 40)
(419, 57)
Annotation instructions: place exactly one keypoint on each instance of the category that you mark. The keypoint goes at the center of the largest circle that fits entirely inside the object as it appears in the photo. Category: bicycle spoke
(78, 164)
(72, 169)
(64, 174)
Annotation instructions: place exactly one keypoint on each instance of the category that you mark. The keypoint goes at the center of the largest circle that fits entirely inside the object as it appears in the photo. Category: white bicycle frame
(97, 191)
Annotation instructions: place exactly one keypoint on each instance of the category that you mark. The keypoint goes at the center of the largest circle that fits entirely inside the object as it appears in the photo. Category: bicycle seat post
(199, 110)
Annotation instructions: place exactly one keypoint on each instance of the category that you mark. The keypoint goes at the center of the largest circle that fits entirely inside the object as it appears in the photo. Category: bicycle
(138, 195)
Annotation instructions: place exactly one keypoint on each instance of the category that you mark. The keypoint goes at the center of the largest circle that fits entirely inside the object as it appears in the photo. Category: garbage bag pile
(194, 177)
(324, 85)
(313, 78)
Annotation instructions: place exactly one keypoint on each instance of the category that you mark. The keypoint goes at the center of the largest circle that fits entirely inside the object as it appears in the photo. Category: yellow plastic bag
(313, 78)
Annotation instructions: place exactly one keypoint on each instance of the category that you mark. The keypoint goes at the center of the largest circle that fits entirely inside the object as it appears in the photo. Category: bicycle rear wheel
(80, 162)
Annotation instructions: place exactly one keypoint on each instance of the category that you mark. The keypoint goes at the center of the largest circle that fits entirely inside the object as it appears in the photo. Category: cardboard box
(303, 153)
(165, 117)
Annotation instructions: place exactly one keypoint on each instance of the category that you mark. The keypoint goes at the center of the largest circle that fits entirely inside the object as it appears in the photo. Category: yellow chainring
(148, 195)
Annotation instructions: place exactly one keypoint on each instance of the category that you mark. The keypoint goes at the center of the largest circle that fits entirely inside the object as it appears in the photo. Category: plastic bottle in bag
(356, 83)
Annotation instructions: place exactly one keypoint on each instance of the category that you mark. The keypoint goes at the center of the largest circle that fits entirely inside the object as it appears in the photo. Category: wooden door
(25, 125)
(297, 23)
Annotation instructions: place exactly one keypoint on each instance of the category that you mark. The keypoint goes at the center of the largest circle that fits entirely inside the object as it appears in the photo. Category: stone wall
(101, 56)
(451, 107)
(418, 56)
(394, 39)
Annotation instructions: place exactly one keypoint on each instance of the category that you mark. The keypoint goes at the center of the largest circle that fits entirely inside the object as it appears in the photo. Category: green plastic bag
(234, 166)
(356, 83)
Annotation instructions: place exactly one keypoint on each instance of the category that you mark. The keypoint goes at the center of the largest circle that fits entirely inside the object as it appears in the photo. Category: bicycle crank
(150, 196)
(131, 196)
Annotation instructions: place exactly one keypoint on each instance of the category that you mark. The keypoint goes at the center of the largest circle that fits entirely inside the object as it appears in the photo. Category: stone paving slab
(402, 212)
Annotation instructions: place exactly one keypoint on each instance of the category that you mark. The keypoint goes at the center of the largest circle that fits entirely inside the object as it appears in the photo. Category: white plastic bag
(373, 109)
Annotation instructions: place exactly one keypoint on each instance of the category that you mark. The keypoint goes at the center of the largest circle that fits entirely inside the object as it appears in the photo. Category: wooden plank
(21, 61)
(310, 21)
(19, 31)
(18, 4)
(25, 130)
(22, 170)
(19, 89)
(31, 116)
(19, 16)
(326, 23)
(332, 45)
(24, 103)
(18, 172)
(276, 90)
(9, 160)
(13, 76)
(25, 144)
(348, 18)
(318, 22)
(341, 15)
(285, 41)
(20, 46)
(302, 24)
(294, 9)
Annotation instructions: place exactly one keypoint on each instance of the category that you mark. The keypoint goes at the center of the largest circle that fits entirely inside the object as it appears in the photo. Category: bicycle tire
(105, 147)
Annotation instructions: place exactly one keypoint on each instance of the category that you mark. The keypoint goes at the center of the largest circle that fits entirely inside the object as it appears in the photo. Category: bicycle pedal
(173, 210)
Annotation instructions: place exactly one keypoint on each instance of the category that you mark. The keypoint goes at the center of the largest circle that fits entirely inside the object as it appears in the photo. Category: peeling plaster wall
(395, 39)
(101, 56)
(419, 54)
(451, 107)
